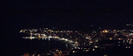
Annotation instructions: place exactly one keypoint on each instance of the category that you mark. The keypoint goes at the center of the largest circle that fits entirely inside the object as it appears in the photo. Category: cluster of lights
(86, 37)
(48, 37)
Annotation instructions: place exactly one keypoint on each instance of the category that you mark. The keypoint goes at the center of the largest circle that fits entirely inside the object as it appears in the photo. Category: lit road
(44, 37)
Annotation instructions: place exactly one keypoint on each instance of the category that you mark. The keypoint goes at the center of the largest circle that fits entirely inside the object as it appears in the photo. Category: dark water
(18, 46)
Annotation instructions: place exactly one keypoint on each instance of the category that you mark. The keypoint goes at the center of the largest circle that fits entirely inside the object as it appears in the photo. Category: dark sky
(63, 14)
(66, 14)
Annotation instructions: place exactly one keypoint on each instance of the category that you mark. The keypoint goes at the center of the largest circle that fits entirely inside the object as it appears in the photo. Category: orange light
(106, 31)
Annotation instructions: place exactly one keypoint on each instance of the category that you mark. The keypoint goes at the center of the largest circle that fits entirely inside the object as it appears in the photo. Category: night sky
(75, 15)
(63, 14)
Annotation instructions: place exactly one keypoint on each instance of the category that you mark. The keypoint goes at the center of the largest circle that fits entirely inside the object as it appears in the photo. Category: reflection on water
(44, 46)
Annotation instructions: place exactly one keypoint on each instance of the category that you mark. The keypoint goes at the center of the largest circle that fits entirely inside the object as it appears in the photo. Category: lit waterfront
(75, 42)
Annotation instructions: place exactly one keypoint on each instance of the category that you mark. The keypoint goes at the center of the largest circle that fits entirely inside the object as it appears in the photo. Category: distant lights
(21, 31)
(128, 24)
(56, 37)
(73, 51)
(87, 50)
(67, 30)
(76, 31)
(130, 42)
(57, 50)
(70, 41)
(78, 47)
(105, 55)
(96, 46)
(76, 42)
(105, 31)
(75, 47)
(110, 38)
(131, 34)
(96, 40)
(119, 39)
(93, 49)
(91, 42)
(66, 39)
(62, 38)
(128, 47)
(49, 36)
(46, 28)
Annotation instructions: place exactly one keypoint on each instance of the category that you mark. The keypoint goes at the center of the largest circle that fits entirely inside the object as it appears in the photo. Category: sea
(15, 45)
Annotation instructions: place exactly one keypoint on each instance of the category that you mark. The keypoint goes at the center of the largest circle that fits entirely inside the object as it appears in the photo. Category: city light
(21, 31)
(93, 49)
(110, 38)
(105, 31)
(73, 51)
(96, 46)
(105, 55)
(87, 50)
(86, 42)
(66, 39)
